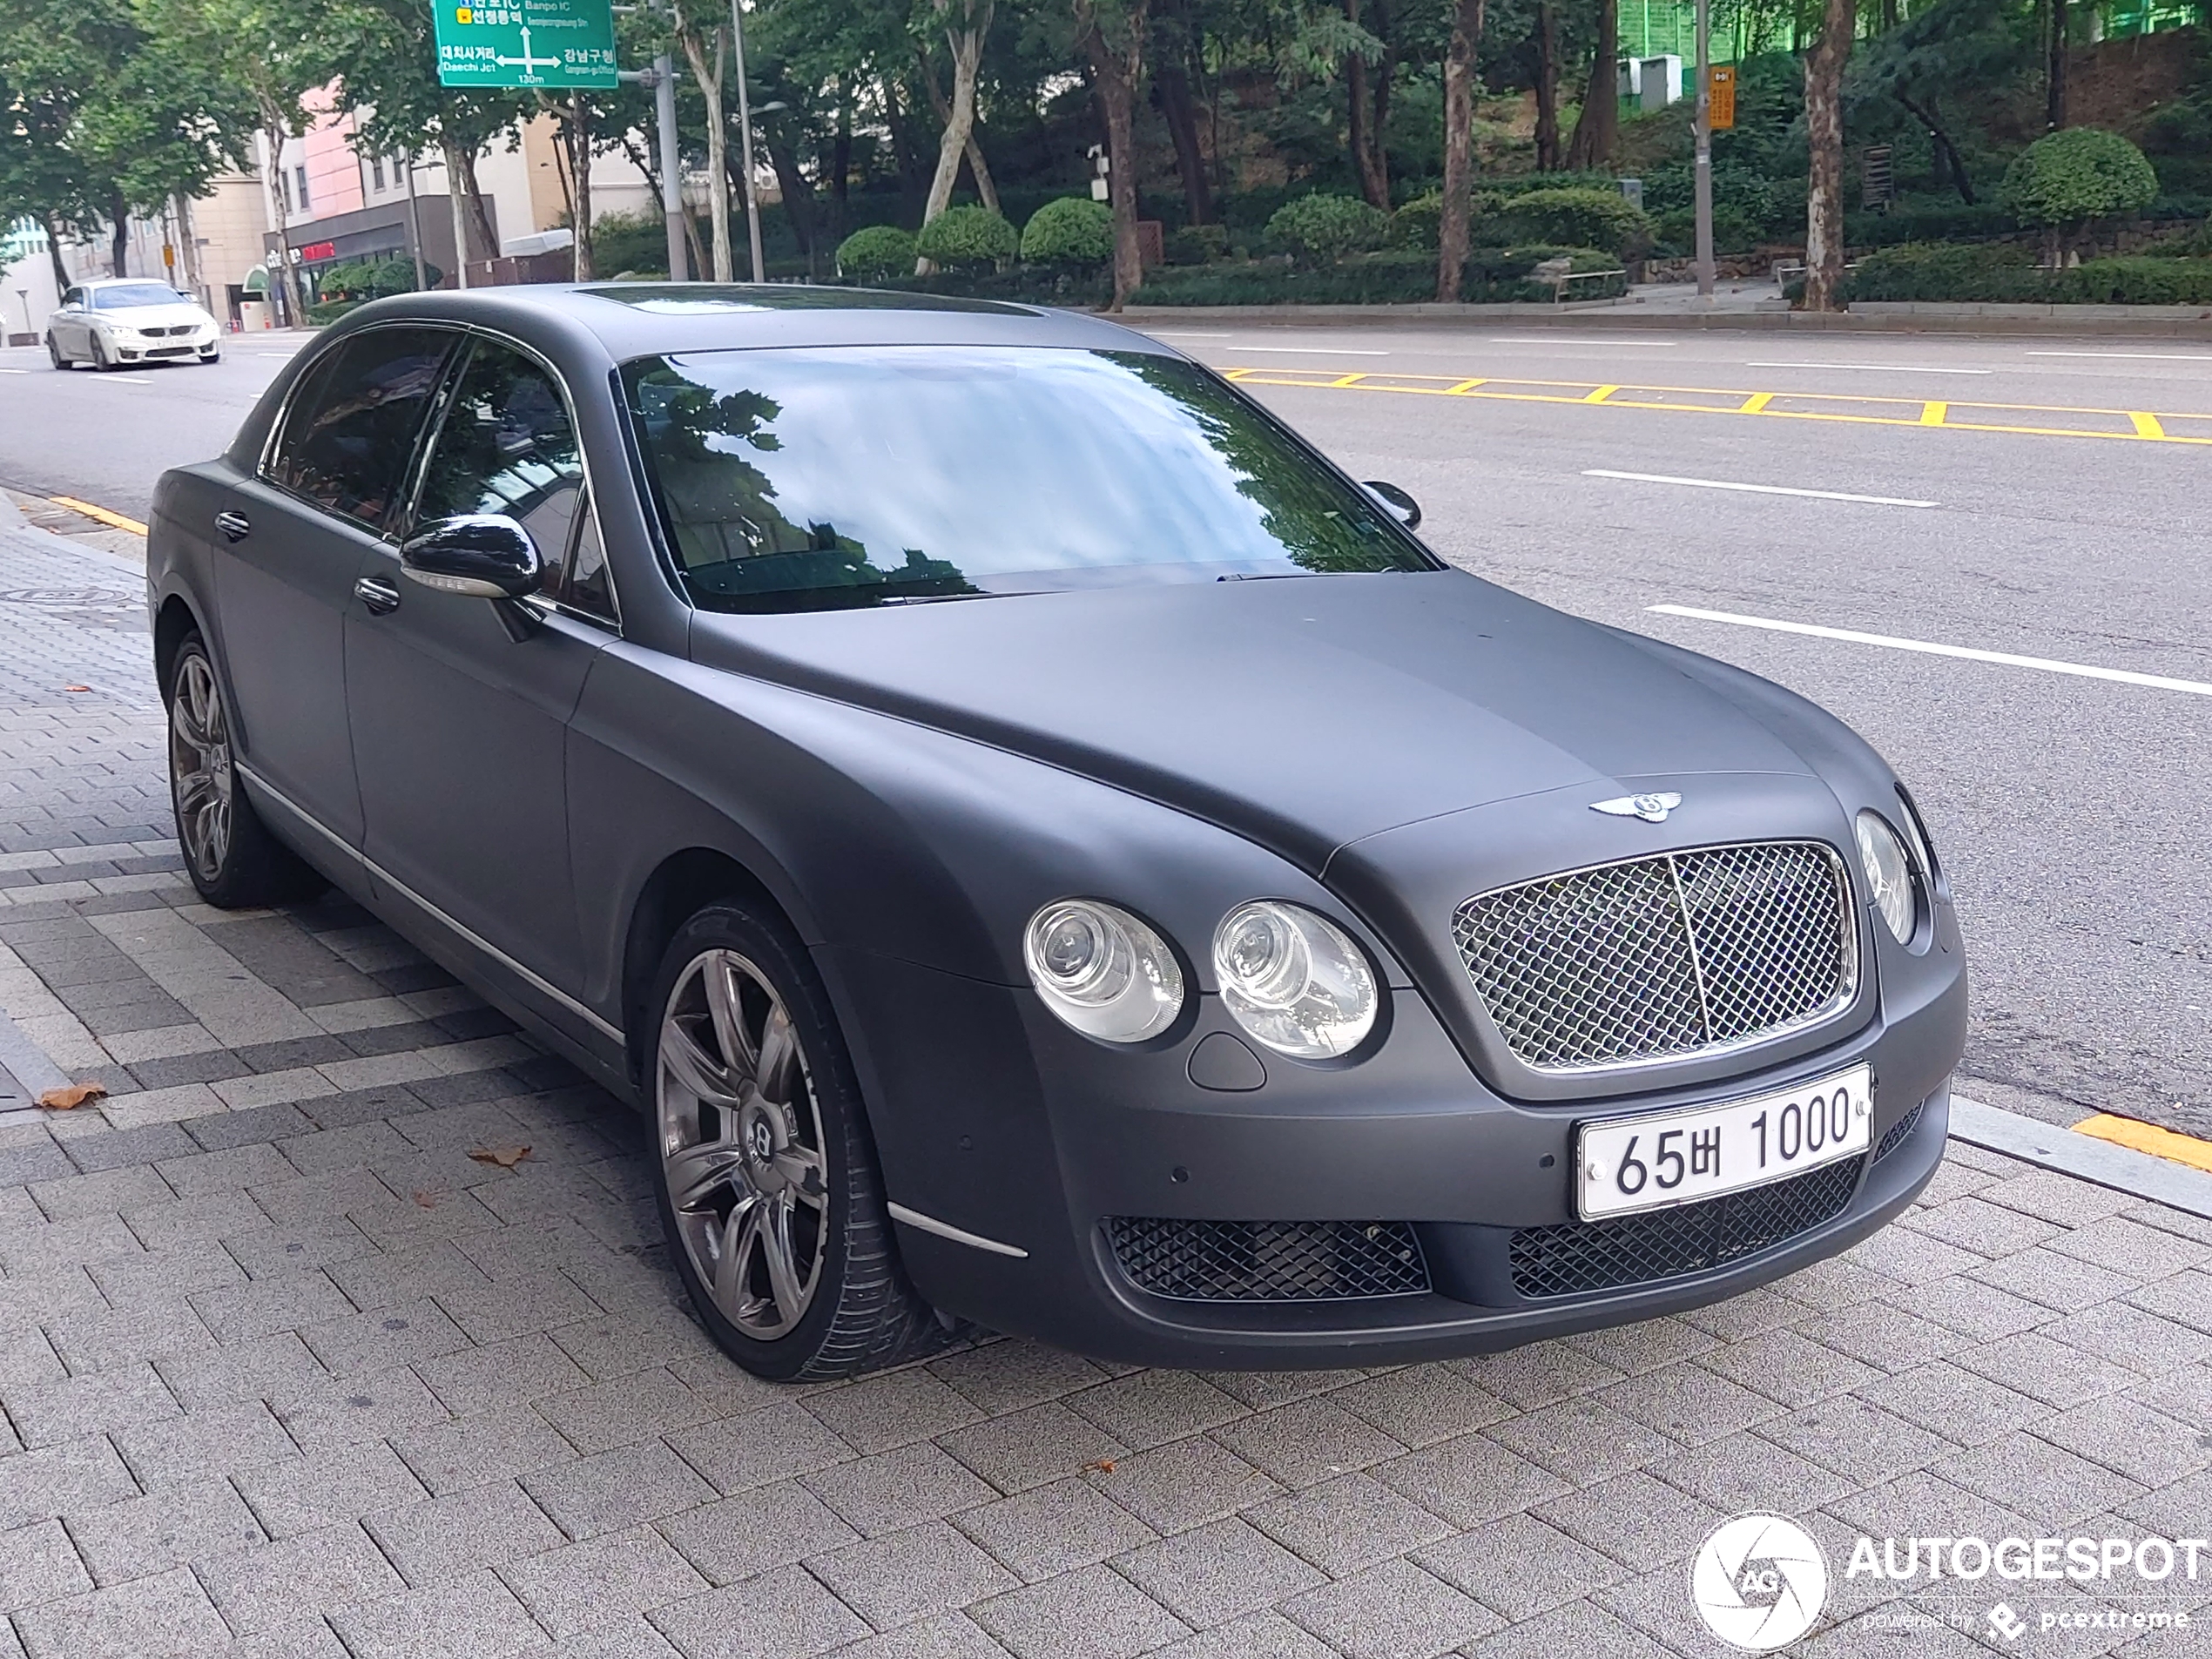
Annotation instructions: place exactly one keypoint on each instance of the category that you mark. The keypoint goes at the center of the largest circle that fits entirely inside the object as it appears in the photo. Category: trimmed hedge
(2075, 175)
(1069, 231)
(961, 237)
(1396, 277)
(1575, 217)
(875, 253)
(2007, 275)
(1321, 229)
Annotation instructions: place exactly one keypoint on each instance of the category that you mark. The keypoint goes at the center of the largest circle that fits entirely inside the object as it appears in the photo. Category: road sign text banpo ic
(526, 42)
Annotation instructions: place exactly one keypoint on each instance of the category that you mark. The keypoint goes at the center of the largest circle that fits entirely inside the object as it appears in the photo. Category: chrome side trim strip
(946, 1230)
(543, 986)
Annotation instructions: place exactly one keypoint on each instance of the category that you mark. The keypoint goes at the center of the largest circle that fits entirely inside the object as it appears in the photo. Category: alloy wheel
(199, 768)
(741, 1145)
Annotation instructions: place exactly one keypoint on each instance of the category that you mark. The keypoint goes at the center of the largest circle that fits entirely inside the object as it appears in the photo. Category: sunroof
(724, 300)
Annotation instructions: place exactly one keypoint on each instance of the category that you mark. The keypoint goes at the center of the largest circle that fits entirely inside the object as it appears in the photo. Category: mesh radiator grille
(1666, 957)
(1578, 1257)
(1267, 1261)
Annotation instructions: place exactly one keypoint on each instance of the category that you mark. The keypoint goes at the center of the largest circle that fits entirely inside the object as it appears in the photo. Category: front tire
(54, 351)
(233, 860)
(100, 364)
(764, 1168)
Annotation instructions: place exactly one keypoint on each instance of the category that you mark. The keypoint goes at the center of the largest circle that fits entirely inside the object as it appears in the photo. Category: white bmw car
(129, 321)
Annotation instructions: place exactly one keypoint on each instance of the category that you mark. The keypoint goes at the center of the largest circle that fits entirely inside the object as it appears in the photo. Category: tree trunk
(799, 204)
(284, 280)
(1950, 165)
(54, 256)
(1458, 146)
(1368, 104)
(841, 176)
(1824, 133)
(1115, 69)
(906, 147)
(1171, 92)
(967, 45)
(478, 208)
(580, 164)
(717, 145)
(978, 170)
(1599, 124)
(119, 213)
(2054, 75)
(1546, 87)
(454, 163)
(188, 250)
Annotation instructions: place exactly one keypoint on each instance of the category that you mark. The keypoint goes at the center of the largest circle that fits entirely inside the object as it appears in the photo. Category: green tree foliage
(2065, 180)
(1319, 228)
(963, 238)
(1069, 231)
(1935, 62)
(1577, 217)
(876, 252)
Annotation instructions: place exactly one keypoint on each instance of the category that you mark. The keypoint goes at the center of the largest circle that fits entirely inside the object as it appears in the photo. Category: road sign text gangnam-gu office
(526, 42)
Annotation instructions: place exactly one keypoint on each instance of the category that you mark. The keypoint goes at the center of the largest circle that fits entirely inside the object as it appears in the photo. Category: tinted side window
(354, 421)
(591, 587)
(507, 446)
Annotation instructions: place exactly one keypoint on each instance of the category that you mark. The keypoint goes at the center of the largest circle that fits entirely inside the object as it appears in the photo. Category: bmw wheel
(767, 1178)
(229, 853)
(54, 351)
(100, 363)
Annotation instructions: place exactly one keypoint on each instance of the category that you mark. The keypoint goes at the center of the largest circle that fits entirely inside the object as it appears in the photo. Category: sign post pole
(1703, 181)
(745, 142)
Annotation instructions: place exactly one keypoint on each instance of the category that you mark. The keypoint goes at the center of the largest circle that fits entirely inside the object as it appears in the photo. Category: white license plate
(1632, 1163)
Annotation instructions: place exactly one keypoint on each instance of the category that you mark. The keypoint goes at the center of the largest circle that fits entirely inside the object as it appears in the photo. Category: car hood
(1304, 713)
(154, 316)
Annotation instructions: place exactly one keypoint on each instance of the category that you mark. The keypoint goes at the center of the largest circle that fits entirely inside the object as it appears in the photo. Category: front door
(460, 729)
(291, 542)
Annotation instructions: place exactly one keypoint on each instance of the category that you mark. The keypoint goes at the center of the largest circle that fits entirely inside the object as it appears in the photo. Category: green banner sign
(526, 42)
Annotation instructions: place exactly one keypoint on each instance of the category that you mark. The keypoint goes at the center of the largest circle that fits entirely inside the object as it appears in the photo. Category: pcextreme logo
(1759, 1581)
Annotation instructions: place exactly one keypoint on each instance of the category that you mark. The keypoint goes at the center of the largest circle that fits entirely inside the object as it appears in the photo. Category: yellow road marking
(2148, 1137)
(113, 521)
(2140, 426)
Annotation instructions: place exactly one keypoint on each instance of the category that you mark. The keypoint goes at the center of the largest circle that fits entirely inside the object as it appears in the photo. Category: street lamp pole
(744, 141)
(1703, 179)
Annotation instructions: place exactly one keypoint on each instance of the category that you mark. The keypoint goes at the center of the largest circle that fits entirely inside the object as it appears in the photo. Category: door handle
(233, 526)
(379, 594)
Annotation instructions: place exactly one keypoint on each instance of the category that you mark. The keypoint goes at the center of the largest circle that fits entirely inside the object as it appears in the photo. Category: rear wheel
(766, 1177)
(54, 351)
(229, 853)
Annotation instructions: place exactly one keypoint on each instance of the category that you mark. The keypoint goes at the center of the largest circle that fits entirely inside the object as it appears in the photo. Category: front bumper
(992, 1119)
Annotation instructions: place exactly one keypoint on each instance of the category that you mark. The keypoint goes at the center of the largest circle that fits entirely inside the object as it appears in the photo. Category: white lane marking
(2154, 356)
(1584, 341)
(1316, 351)
(2048, 665)
(121, 380)
(14, 371)
(1887, 369)
(1756, 490)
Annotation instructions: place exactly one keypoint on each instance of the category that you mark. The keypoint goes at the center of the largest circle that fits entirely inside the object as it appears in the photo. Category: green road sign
(526, 42)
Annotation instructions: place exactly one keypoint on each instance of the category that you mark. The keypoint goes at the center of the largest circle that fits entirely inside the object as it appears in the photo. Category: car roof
(632, 320)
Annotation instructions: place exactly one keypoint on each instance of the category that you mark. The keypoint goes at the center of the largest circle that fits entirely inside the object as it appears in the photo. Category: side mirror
(1400, 506)
(482, 556)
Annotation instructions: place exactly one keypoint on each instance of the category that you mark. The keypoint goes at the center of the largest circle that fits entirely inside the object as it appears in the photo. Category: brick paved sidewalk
(284, 1371)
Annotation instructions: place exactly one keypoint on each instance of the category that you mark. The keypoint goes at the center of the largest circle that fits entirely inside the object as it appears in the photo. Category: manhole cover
(73, 599)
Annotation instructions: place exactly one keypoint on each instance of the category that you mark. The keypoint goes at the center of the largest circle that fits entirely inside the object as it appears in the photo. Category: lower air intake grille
(1579, 1257)
(1267, 1261)
(1898, 1131)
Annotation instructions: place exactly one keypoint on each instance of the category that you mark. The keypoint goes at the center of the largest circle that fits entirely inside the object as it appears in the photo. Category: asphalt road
(2073, 813)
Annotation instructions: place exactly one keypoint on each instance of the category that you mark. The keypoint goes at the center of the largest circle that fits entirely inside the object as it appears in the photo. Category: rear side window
(353, 423)
(506, 445)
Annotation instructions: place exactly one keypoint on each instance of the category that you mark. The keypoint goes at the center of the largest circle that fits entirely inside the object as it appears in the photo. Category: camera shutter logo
(1759, 1583)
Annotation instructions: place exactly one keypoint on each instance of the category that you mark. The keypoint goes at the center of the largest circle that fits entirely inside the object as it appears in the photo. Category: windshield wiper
(1264, 576)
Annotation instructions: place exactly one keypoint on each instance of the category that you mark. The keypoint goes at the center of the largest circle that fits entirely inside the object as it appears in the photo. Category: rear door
(290, 545)
(460, 729)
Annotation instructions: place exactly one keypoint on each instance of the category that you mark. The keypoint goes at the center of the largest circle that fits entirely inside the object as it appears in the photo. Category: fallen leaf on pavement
(70, 1096)
(427, 1200)
(77, 688)
(506, 1157)
(1099, 1466)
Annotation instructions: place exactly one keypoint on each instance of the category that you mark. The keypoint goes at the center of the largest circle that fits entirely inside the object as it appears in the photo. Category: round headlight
(1103, 971)
(1889, 874)
(1294, 979)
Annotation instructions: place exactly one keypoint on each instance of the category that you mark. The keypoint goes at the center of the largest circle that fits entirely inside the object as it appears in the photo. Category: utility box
(1658, 81)
(1632, 192)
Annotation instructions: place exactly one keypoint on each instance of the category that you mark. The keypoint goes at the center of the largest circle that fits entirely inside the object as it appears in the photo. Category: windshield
(125, 295)
(836, 476)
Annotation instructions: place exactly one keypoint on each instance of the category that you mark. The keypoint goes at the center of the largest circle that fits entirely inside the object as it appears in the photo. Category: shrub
(1578, 217)
(1417, 224)
(2071, 176)
(877, 252)
(1393, 277)
(1197, 244)
(1071, 229)
(1320, 229)
(2003, 274)
(961, 238)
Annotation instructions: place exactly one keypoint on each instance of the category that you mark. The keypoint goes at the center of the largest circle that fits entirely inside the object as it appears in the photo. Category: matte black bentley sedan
(1043, 847)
